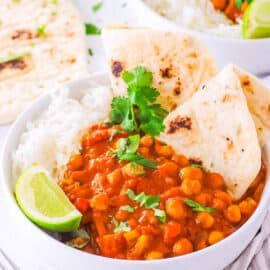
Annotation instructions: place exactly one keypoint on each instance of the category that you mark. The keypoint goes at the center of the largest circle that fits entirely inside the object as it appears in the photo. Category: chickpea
(76, 162)
(165, 151)
(181, 160)
(247, 206)
(131, 170)
(154, 255)
(131, 237)
(190, 186)
(201, 244)
(142, 245)
(218, 204)
(115, 177)
(121, 215)
(192, 173)
(176, 209)
(204, 198)
(225, 197)
(214, 181)
(214, 237)
(182, 246)
(233, 213)
(205, 220)
(146, 140)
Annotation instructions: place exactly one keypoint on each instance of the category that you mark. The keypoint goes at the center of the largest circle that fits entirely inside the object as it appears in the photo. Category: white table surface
(112, 12)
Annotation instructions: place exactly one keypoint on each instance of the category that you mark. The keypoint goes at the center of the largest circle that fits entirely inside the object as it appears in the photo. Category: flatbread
(46, 61)
(258, 100)
(179, 62)
(215, 128)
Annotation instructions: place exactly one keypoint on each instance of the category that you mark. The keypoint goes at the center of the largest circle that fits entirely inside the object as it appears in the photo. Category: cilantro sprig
(198, 207)
(239, 3)
(127, 150)
(122, 227)
(149, 202)
(138, 111)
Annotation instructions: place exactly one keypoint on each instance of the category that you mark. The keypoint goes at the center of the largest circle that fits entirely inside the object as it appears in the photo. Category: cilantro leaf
(91, 29)
(161, 215)
(198, 207)
(148, 201)
(138, 110)
(41, 31)
(96, 7)
(127, 150)
(122, 112)
(127, 208)
(122, 227)
(238, 3)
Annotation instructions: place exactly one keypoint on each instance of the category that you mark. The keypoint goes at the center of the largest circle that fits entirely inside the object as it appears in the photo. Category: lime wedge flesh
(256, 20)
(44, 202)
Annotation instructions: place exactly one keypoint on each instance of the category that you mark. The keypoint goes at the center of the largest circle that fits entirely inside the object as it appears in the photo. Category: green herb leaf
(161, 215)
(97, 6)
(148, 201)
(127, 151)
(194, 165)
(91, 29)
(84, 239)
(13, 57)
(128, 208)
(198, 207)
(41, 31)
(122, 227)
(138, 110)
(90, 52)
(238, 3)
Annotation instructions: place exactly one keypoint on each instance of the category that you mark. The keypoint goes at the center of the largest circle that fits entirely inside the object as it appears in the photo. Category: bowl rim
(9, 197)
(175, 26)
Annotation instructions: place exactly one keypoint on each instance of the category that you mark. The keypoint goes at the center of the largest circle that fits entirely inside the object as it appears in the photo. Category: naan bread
(216, 128)
(258, 100)
(46, 61)
(179, 62)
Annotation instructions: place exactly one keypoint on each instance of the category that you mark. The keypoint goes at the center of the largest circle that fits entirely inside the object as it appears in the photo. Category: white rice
(55, 135)
(198, 15)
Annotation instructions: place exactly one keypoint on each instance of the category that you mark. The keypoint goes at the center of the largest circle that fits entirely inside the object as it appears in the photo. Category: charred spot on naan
(166, 73)
(15, 67)
(246, 84)
(22, 34)
(180, 122)
(117, 67)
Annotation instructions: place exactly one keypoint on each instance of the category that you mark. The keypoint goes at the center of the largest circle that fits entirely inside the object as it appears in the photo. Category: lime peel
(44, 202)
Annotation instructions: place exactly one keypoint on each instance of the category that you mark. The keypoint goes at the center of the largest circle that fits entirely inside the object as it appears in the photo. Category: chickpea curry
(233, 9)
(140, 200)
(135, 212)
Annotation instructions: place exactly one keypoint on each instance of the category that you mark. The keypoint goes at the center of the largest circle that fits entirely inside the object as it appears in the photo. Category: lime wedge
(44, 202)
(256, 20)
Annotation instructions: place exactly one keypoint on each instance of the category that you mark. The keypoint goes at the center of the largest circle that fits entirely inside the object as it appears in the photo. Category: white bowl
(252, 55)
(54, 255)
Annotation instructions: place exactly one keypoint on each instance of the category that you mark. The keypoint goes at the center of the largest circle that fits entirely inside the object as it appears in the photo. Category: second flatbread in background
(39, 51)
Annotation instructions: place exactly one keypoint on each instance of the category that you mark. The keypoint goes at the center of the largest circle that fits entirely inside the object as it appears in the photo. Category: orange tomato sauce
(96, 183)
(230, 9)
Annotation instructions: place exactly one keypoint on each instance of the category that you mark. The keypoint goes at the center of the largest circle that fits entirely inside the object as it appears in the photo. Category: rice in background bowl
(198, 15)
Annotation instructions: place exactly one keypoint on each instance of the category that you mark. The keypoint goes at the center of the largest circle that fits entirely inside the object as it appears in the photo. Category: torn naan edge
(216, 128)
(179, 62)
(32, 64)
(258, 100)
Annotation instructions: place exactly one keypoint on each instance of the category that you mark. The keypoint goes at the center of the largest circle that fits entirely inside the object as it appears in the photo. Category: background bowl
(54, 255)
(252, 54)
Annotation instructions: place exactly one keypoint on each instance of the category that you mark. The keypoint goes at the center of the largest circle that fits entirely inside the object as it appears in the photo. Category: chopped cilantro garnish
(97, 6)
(127, 150)
(198, 207)
(90, 52)
(148, 201)
(161, 215)
(138, 111)
(41, 31)
(122, 227)
(91, 29)
(128, 208)
(13, 57)
(194, 165)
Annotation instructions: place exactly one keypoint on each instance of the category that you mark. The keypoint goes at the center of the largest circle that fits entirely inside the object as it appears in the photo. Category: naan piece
(38, 51)
(179, 62)
(216, 129)
(258, 100)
